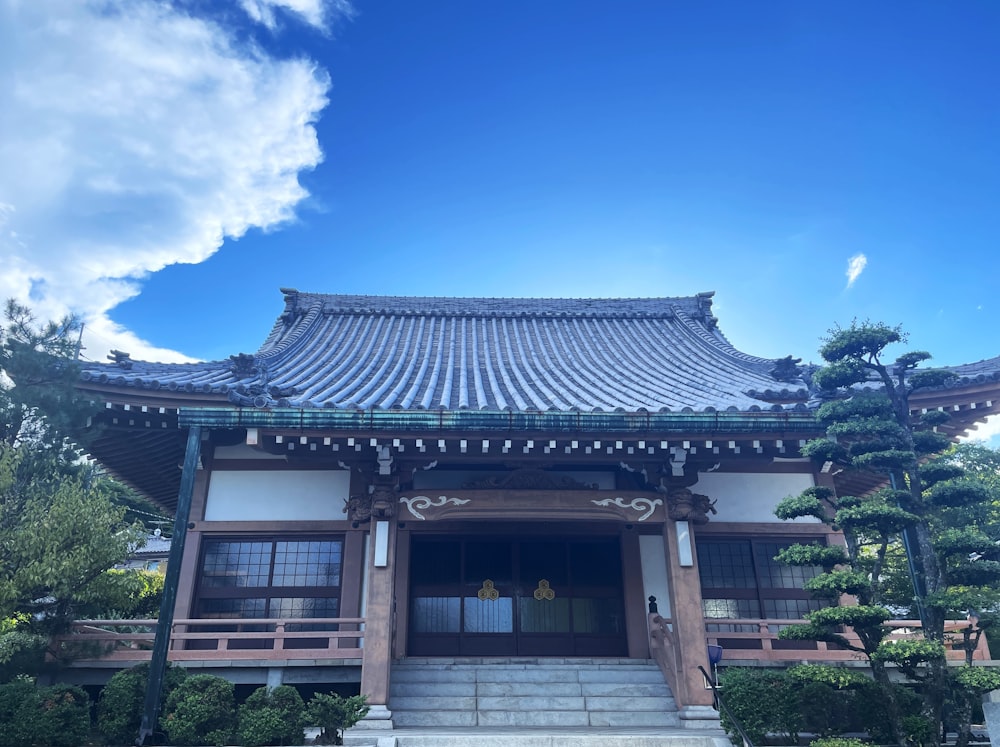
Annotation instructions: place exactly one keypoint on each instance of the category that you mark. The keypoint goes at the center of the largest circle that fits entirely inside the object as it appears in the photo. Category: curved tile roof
(388, 352)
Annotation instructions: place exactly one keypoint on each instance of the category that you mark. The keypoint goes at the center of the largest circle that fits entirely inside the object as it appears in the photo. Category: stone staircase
(530, 692)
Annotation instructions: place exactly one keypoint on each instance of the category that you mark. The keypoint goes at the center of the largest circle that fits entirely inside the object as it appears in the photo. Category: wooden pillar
(377, 657)
(693, 700)
(192, 549)
(402, 592)
(635, 599)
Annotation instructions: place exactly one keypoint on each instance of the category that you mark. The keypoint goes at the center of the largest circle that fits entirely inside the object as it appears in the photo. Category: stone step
(632, 719)
(629, 690)
(533, 693)
(459, 689)
(619, 703)
(432, 701)
(500, 689)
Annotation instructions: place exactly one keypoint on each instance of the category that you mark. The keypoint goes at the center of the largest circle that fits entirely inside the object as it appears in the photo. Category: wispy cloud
(314, 12)
(855, 266)
(136, 135)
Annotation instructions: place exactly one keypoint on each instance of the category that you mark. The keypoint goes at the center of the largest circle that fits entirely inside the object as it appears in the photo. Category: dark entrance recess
(486, 596)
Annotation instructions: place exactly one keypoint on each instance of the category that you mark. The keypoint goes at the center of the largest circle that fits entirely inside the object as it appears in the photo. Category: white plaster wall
(652, 551)
(278, 495)
(751, 496)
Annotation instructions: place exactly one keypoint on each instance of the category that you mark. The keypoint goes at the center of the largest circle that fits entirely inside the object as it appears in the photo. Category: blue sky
(169, 166)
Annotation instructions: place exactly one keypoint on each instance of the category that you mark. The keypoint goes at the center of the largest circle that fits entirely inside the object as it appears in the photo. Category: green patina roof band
(479, 420)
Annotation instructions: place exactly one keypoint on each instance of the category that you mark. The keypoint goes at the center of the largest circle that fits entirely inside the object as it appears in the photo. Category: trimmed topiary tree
(272, 717)
(201, 711)
(119, 708)
(333, 713)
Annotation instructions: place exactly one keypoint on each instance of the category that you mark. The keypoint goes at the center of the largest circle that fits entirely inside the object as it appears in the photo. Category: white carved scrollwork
(425, 502)
(638, 504)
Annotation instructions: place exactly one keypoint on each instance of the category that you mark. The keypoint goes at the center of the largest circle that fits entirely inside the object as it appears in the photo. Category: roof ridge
(698, 306)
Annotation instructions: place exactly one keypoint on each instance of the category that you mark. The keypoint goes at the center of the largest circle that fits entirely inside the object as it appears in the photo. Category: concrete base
(379, 717)
(538, 737)
(991, 710)
(699, 717)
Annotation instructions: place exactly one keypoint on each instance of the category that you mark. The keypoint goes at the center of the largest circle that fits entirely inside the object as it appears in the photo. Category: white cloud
(314, 12)
(855, 266)
(988, 432)
(135, 135)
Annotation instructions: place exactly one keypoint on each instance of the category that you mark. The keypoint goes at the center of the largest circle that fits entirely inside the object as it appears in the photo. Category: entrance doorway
(488, 596)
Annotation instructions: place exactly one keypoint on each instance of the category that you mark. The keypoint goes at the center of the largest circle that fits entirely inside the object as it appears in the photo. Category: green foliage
(932, 418)
(200, 711)
(822, 450)
(131, 593)
(21, 650)
(840, 678)
(839, 742)
(909, 654)
(272, 717)
(939, 471)
(764, 701)
(872, 427)
(817, 699)
(885, 460)
(959, 492)
(825, 556)
(796, 506)
(38, 401)
(860, 342)
(931, 377)
(120, 706)
(929, 442)
(912, 359)
(978, 680)
(840, 374)
(875, 516)
(963, 540)
(56, 716)
(857, 616)
(58, 534)
(863, 404)
(333, 713)
(831, 585)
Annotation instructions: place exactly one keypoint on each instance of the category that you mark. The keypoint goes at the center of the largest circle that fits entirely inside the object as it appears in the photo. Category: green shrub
(839, 742)
(764, 701)
(120, 706)
(272, 717)
(333, 713)
(200, 711)
(56, 716)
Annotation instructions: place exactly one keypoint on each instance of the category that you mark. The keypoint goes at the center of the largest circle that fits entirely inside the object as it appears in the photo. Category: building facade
(389, 478)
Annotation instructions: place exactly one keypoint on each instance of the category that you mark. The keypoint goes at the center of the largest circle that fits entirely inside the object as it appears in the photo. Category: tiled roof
(387, 352)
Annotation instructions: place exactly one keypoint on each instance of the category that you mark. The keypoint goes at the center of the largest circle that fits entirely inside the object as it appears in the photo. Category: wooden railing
(270, 639)
(752, 639)
(663, 649)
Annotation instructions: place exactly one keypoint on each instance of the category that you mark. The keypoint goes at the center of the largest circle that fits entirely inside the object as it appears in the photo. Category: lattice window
(741, 579)
(277, 578)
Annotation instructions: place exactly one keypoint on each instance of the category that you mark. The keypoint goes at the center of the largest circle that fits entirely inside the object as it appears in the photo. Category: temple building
(487, 483)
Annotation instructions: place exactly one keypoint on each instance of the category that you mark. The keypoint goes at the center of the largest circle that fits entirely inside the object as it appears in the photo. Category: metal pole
(158, 665)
